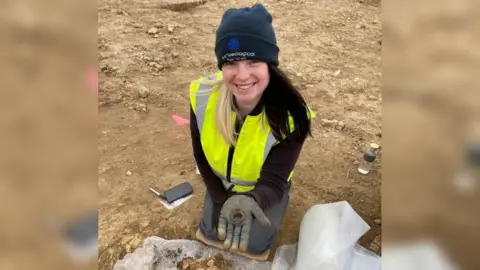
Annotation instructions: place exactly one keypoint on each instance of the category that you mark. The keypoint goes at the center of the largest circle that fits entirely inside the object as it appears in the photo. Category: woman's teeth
(245, 86)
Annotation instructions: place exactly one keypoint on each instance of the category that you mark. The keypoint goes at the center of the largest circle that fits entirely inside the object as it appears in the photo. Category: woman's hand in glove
(235, 221)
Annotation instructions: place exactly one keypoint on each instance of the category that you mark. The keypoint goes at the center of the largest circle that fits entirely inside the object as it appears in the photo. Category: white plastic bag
(328, 240)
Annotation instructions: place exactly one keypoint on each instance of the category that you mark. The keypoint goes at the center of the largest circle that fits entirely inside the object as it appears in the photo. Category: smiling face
(246, 80)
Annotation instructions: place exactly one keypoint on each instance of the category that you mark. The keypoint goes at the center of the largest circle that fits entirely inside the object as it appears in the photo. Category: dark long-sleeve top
(273, 181)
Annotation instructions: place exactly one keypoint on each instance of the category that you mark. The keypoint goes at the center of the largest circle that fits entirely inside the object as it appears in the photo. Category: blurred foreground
(431, 113)
(48, 134)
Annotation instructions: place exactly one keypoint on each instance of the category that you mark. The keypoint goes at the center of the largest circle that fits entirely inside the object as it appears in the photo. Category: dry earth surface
(149, 51)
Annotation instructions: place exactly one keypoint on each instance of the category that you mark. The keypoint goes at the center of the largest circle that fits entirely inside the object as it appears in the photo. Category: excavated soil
(215, 262)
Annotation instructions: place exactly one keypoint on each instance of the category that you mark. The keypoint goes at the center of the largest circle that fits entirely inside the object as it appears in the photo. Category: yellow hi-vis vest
(253, 144)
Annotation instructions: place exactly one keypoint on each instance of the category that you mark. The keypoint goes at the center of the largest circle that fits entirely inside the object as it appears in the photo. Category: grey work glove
(235, 221)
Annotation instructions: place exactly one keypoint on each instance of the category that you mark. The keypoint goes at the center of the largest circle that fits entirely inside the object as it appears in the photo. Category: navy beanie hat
(246, 33)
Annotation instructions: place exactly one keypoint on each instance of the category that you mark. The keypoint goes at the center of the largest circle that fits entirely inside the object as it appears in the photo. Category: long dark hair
(281, 97)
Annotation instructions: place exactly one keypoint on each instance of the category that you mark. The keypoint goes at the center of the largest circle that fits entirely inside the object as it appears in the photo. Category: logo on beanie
(233, 44)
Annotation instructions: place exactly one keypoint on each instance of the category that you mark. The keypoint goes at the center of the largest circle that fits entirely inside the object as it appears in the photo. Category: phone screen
(178, 192)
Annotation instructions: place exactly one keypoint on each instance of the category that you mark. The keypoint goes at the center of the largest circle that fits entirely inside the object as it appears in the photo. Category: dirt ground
(148, 55)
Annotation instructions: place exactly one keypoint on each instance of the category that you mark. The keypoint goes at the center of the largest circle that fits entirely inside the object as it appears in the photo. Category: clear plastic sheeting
(328, 241)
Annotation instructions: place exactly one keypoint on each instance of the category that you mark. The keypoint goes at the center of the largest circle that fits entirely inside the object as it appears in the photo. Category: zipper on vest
(238, 127)
(229, 164)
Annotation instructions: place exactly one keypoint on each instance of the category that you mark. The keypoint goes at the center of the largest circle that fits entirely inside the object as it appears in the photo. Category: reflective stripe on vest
(201, 104)
(233, 181)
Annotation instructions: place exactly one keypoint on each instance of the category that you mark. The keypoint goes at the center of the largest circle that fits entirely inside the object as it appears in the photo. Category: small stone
(126, 239)
(137, 25)
(378, 221)
(128, 173)
(185, 263)
(137, 241)
(211, 263)
(108, 69)
(375, 244)
(340, 126)
(140, 107)
(170, 28)
(360, 26)
(328, 122)
(152, 64)
(156, 36)
(374, 247)
(143, 92)
(144, 224)
(337, 73)
(153, 31)
(103, 56)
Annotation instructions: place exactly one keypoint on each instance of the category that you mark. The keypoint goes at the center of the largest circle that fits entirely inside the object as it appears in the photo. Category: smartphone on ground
(175, 193)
